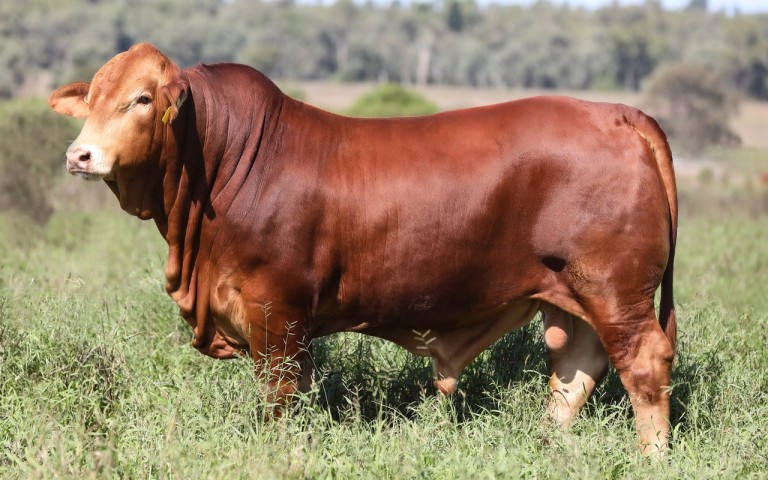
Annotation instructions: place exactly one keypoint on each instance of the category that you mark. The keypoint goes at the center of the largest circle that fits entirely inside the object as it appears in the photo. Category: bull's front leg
(279, 346)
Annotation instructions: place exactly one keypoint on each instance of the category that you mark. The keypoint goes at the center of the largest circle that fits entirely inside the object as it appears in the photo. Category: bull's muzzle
(85, 161)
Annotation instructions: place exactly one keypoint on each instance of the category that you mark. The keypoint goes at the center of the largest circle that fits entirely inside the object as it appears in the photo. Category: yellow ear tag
(167, 114)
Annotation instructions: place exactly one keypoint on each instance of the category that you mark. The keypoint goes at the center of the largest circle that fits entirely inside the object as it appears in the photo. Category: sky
(730, 6)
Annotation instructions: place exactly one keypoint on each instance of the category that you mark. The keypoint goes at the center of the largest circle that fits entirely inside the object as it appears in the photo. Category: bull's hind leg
(577, 363)
(642, 355)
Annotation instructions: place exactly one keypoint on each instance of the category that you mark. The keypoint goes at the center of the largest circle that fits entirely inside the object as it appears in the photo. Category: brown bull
(440, 233)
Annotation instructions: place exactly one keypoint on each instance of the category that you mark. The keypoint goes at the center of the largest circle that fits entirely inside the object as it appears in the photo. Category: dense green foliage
(544, 45)
(97, 375)
(391, 100)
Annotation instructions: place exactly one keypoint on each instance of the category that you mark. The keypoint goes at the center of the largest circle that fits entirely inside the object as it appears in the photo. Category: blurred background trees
(49, 42)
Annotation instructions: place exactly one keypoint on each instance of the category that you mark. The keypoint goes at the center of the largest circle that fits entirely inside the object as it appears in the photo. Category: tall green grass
(98, 379)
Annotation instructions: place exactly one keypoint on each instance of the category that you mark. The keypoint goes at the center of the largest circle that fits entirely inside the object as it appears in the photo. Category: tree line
(49, 42)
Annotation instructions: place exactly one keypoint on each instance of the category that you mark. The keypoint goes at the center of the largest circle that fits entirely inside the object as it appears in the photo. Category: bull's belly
(451, 326)
(454, 345)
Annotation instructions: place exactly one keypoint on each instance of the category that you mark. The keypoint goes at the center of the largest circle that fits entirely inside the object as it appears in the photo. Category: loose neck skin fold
(210, 151)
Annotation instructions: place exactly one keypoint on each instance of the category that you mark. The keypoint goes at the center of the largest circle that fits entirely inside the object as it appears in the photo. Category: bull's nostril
(79, 158)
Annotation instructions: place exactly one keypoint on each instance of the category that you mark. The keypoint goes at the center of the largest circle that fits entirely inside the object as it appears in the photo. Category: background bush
(391, 100)
(693, 106)
(33, 140)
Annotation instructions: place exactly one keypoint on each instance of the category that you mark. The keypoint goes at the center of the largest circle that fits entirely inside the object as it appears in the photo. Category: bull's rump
(464, 211)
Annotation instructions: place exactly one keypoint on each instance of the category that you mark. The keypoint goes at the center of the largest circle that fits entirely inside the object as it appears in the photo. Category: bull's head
(127, 106)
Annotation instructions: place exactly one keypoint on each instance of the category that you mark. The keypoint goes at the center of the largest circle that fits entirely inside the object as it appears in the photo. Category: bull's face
(126, 107)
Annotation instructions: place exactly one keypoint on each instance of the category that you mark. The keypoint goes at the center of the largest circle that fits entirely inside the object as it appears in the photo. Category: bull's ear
(175, 93)
(70, 100)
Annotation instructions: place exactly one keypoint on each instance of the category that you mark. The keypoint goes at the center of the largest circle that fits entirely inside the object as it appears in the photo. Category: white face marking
(95, 154)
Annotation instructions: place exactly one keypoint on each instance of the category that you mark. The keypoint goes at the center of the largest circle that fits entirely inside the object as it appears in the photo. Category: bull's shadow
(372, 378)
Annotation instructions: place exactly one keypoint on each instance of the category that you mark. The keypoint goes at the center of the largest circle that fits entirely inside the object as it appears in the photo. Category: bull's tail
(650, 131)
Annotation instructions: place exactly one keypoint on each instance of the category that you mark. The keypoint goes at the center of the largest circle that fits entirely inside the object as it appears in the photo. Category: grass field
(98, 378)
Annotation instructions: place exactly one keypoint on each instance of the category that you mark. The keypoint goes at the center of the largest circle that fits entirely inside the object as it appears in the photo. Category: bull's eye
(144, 100)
